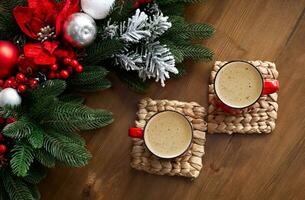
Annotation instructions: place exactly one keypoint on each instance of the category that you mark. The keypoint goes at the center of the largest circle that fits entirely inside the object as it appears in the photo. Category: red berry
(22, 88)
(1, 82)
(67, 61)
(74, 63)
(20, 77)
(3, 148)
(10, 120)
(79, 69)
(58, 76)
(52, 75)
(64, 74)
(33, 83)
(8, 82)
(14, 84)
(54, 67)
(1, 137)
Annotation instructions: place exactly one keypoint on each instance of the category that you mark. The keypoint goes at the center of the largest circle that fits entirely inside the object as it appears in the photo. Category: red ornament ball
(8, 58)
(3, 149)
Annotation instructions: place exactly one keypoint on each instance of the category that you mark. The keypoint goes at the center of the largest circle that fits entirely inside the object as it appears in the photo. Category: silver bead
(80, 30)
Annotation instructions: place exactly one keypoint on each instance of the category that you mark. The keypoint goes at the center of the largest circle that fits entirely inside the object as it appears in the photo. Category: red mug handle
(226, 108)
(136, 133)
(271, 86)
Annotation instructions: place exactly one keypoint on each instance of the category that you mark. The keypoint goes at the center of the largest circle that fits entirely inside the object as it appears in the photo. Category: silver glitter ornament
(80, 30)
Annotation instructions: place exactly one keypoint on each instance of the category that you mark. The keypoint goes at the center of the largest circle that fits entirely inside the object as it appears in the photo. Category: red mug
(167, 134)
(239, 85)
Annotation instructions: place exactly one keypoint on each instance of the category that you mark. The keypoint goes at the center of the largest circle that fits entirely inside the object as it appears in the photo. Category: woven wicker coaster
(189, 164)
(260, 118)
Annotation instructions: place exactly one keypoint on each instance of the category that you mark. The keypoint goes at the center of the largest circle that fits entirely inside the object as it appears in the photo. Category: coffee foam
(238, 84)
(168, 134)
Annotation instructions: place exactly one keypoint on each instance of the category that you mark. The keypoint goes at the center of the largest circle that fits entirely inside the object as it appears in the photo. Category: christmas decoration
(9, 96)
(43, 20)
(8, 58)
(97, 9)
(138, 40)
(80, 30)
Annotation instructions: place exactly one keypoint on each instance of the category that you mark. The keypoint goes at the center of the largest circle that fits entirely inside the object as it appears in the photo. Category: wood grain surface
(234, 167)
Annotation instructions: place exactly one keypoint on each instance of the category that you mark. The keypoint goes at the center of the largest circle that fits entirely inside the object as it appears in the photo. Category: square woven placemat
(187, 165)
(259, 119)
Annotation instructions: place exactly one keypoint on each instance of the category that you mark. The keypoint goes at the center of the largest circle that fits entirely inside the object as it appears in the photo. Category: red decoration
(139, 3)
(79, 69)
(64, 74)
(20, 77)
(8, 58)
(3, 148)
(10, 120)
(54, 67)
(33, 83)
(22, 88)
(40, 14)
(27, 66)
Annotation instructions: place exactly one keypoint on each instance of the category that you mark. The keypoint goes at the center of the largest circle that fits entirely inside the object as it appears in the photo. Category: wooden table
(235, 167)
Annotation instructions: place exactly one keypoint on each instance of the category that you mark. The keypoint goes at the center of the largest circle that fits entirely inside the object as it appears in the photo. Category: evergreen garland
(150, 42)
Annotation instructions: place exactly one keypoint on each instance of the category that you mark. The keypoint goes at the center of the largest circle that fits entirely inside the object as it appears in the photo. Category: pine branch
(182, 72)
(92, 80)
(15, 187)
(34, 191)
(45, 158)
(101, 50)
(197, 52)
(19, 129)
(199, 31)
(21, 159)
(132, 81)
(8, 5)
(159, 62)
(129, 60)
(135, 29)
(71, 117)
(72, 98)
(49, 88)
(71, 154)
(36, 174)
(36, 138)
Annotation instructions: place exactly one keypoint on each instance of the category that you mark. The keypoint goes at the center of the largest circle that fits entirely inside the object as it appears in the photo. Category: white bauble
(9, 96)
(97, 9)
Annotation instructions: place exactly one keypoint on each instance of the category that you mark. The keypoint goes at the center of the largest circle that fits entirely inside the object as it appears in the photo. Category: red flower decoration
(47, 53)
(40, 14)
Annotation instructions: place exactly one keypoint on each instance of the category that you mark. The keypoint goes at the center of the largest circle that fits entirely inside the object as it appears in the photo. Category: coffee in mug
(167, 134)
(239, 84)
